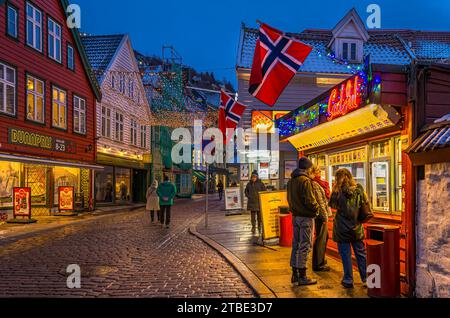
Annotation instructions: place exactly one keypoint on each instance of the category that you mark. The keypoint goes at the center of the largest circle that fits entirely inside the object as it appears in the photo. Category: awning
(48, 162)
(199, 175)
(359, 122)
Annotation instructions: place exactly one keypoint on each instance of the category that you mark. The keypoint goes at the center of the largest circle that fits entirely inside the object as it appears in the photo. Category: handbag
(365, 213)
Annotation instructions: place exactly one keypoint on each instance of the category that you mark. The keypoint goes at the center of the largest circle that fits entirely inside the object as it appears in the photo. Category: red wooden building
(47, 105)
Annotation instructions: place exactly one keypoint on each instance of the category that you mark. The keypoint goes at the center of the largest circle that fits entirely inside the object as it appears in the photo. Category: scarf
(325, 185)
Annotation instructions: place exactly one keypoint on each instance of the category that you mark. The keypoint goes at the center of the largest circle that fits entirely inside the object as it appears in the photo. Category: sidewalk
(44, 223)
(270, 264)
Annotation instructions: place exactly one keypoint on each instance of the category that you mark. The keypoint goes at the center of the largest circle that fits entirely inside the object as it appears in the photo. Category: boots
(303, 279)
(295, 275)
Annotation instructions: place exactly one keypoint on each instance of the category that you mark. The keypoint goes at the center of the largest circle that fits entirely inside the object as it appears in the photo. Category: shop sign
(345, 98)
(233, 199)
(264, 120)
(270, 214)
(66, 197)
(348, 157)
(22, 202)
(37, 140)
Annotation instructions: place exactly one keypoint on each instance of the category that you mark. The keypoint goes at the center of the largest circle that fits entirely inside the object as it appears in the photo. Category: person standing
(166, 192)
(220, 190)
(252, 193)
(153, 201)
(305, 209)
(347, 198)
(321, 189)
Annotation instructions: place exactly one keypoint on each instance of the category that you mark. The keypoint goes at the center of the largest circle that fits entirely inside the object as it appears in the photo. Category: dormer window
(349, 51)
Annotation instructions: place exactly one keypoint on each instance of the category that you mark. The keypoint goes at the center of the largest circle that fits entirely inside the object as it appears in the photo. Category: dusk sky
(206, 32)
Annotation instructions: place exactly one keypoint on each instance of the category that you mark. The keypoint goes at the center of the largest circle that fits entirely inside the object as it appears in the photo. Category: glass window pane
(37, 16)
(29, 11)
(38, 38)
(39, 87)
(30, 106)
(10, 75)
(62, 116)
(62, 96)
(29, 33)
(2, 100)
(2, 74)
(55, 114)
(10, 99)
(380, 186)
(40, 109)
(30, 84)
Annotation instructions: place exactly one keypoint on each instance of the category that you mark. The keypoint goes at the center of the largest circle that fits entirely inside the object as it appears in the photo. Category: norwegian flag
(276, 61)
(230, 113)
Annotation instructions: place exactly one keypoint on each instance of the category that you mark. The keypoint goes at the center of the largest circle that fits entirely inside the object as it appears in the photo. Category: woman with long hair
(347, 198)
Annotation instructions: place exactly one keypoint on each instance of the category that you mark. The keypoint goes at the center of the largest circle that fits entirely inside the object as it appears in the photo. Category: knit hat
(304, 163)
(255, 173)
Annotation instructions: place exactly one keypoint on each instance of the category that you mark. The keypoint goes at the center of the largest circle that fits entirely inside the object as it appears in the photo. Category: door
(139, 185)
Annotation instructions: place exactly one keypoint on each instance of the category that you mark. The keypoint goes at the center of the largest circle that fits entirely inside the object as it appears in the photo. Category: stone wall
(433, 232)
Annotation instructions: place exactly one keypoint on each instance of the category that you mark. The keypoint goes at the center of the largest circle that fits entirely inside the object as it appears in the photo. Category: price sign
(22, 202)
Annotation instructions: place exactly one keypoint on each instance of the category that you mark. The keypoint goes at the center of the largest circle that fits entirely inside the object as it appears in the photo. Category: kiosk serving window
(354, 160)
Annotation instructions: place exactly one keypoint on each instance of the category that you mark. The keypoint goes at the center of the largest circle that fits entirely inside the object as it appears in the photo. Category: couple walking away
(310, 202)
(160, 200)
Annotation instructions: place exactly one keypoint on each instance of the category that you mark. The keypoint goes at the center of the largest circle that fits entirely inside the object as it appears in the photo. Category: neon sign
(345, 98)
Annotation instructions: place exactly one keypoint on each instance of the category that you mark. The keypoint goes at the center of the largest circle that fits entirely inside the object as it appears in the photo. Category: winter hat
(304, 163)
(255, 173)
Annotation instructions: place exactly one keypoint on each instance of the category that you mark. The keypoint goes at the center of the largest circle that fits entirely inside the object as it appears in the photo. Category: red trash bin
(286, 231)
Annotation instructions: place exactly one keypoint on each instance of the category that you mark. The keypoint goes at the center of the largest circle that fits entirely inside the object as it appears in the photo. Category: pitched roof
(101, 50)
(435, 137)
(396, 47)
(86, 65)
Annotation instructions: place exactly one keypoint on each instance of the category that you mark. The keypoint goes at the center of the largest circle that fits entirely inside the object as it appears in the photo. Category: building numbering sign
(37, 140)
(66, 197)
(270, 214)
(22, 202)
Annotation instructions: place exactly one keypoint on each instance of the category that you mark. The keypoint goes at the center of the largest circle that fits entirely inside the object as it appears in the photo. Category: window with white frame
(8, 88)
(143, 136)
(131, 88)
(34, 27)
(113, 81)
(59, 108)
(122, 84)
(54, 40)
(119, 126)
(12, 22)
(79, 115)
(35, 100)
(133, 132)
(106, 122)
(70, 57)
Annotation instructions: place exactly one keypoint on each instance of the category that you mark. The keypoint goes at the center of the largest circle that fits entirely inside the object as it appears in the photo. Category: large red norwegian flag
(276, 61)
(230, 113)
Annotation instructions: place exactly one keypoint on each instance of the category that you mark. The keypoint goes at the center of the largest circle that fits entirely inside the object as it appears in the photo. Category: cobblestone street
(122, 255)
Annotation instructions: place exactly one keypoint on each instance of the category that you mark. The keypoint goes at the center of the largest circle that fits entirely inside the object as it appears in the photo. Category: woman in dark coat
(347, 198)
(252, 193)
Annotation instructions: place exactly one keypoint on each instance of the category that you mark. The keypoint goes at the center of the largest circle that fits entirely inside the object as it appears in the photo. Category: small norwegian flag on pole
(276, 61)
(230, 113)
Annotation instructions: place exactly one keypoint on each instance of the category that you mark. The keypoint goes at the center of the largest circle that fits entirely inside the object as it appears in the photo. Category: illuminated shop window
(9, 178)
(380, 175)
(354, 160)
(36, 179)
(123, 181)
(104, 189)
(65, 177)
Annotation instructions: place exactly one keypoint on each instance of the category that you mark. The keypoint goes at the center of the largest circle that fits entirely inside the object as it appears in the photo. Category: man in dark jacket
(252, 193)
(305, 209)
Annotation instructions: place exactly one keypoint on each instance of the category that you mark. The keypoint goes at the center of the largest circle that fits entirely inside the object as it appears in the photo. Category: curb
(255, 283)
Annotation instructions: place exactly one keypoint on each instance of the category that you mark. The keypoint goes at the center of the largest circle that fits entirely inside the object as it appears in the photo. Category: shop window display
(65, 177)
(123, 181)
(353, 160)
(36, 179)
(9, 178)
(104, 190)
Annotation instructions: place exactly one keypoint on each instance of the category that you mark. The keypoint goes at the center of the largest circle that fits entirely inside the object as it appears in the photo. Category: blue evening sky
(206, 32)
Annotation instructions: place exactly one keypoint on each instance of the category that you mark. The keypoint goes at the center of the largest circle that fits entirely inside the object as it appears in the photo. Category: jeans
(165, 214)
(256, 215)
(220, 195)
(152, 215)
(320, 244)
(346, 255)
(302, 241)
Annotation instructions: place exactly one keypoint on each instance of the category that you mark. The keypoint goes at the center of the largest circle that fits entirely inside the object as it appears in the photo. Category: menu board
(352, 156)
(22, 202)
(233, 199)
(270, 214)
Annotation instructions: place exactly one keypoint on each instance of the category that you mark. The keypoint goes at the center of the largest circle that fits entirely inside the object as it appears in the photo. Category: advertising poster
(66, 198)
(289, 167)
(274, 170)
(263, 170)
(245, 172)
(22, 202)
(233, 199)
(270, 202)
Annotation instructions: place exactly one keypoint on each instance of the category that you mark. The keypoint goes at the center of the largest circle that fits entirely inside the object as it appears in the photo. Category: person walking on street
(166, 192)
(153, 201)
(347, 198)
(305, 209)
(220, 190)
(252, 193)
(321, 189)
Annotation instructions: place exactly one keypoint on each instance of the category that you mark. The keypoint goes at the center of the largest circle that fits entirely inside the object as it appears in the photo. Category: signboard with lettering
(66, 198)
(22, 202)
(36, 140)
(269, 203)
(233, 199)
